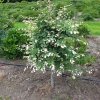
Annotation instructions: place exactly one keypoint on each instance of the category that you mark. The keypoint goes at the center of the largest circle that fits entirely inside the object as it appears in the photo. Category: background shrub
(83, 30)
(91, 11)
(5, 24)
(80, 5)
(14, 44)
(15, 16)
(20, 18)
(31, 13)
(87, 17)
(2, 34)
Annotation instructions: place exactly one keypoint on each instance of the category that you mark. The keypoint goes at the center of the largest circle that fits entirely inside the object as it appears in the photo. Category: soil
(16, 84)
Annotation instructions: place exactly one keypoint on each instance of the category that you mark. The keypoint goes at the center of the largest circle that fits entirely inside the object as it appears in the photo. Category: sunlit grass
(93, 26)
(20, 25)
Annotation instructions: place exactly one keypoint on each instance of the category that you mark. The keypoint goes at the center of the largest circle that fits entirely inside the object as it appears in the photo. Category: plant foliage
(83, 30)
(55, 41)
(5, 24)
(14, 44)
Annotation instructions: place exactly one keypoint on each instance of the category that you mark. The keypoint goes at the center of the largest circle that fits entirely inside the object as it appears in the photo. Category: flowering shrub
(55, 42)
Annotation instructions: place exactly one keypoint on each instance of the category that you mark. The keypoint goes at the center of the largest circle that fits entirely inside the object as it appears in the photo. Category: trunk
(52, 80)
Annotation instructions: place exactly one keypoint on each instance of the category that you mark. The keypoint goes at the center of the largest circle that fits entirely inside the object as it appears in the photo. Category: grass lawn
(93, 26)
(20, 25)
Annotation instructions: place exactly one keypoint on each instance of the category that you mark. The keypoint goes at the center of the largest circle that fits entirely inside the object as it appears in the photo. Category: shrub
(80, 5)
(10, 12)
(88, 58)
(90, 10)
(24, 1)
(20, 18)
(87, 17)
(15, 16)
(98, 9)
(14, 44)
(5, 24)
(2, 34)
(83, 30)
(31, 13)
(60, 4)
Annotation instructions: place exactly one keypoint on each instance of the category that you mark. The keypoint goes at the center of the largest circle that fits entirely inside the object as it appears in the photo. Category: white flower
(57, 18)
(77, 48)
(27, 47)
(57, 35)
(45, 49)
(85, 43)
(73, 52)
(64, 8)
(45, 56)
(52, 67)
(45, 20)
(73, 26)
(62, 67)
(71, 32)
(45, 63)
(59, 73)
(43, 70)
(79, 73)
(65, 54)
(34, 59)
(73, 77)
(77, 56)
(33, 70)
(72, 61)
(35, 41)
(53, 27)
(25, 69)
(53, 21)
(63, 46)
(82, 55)
(76, 25)
(76, 32)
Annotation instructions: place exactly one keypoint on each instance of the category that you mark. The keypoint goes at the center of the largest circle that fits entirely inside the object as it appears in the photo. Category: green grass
(93, 26)
(20, 25)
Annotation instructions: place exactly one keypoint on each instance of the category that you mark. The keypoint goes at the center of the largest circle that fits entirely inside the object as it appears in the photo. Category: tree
(55, 42)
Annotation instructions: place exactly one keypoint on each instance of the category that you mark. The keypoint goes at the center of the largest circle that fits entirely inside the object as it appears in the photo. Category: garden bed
(19, 85)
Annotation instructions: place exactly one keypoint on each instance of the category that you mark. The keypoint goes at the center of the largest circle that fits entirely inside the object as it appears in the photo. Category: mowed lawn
(20, 25)
(93, 26)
